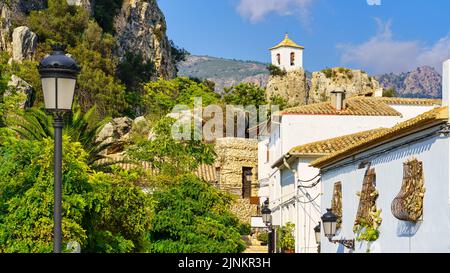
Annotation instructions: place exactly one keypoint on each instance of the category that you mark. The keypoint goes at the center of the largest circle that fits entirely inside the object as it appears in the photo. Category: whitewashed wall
(430, 235)
(285, 56)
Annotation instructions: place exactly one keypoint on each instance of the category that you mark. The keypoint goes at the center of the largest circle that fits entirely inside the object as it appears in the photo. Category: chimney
(446, 84)
(338, 98)
(379, 92)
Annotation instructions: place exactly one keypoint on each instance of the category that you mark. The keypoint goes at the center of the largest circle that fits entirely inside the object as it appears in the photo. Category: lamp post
(317, 234)
(267, 219)
(329, 222)
(58, 75)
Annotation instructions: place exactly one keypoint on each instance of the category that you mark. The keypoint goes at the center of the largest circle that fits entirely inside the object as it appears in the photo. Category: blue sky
(395, 36)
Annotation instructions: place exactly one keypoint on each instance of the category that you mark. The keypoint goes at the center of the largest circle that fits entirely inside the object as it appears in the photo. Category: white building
(287, 55)
(311, 123)
(395, 184)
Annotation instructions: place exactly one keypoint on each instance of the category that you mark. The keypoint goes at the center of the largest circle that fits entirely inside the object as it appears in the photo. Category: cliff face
(141, 28)
(421, 82)
(354, 82)
(293, 87)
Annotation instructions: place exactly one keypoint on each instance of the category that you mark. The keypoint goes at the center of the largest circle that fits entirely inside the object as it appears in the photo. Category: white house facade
(394, 189)
(289, 201)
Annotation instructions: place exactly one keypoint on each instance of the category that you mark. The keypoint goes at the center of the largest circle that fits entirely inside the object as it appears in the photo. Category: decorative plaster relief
(408, 205)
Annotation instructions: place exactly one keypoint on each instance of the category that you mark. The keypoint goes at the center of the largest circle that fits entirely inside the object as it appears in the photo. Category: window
(246, 183)
(218, 175)
(292, 58)
(279, 59)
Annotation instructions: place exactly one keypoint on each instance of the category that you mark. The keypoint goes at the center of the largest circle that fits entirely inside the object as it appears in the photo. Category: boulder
(24, 43)
(88, 5)
(115, 135)
(20, 86)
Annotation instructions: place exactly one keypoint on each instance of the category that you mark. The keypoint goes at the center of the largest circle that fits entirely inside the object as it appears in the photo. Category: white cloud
(383, 53)
(256, 10)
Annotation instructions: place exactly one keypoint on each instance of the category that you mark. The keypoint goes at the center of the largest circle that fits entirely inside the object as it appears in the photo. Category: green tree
(105, 11)
(118, 215)
(276, 71)
(102, 212)
(61, 23)
(26, 213)
(91, 47)
(171, 156)
(245, 94)
(390, 92)
(35, 124)
(192, 217)
(161, 96)
(278, 100)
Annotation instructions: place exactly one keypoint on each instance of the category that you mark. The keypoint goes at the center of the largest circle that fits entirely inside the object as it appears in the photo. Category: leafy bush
(276, 71)
(263, 237)
(104, 213)
(286, 238)
(245, 94)
(161, 96)
(105, 11)
(171, 156)
(390, 92)
(245, 229)
(192, 217)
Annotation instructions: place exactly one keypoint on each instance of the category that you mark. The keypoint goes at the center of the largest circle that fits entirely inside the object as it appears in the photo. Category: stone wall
(232, 155)
(293, 87)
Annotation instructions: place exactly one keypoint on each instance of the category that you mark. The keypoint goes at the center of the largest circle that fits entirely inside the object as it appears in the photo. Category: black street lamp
(267, 219)
(317, 235)
(329, 222)
(58, 75)
(266, 214)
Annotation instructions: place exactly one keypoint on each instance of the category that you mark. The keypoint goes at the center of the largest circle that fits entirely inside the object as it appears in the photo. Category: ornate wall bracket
(350, 244)
(408, 204)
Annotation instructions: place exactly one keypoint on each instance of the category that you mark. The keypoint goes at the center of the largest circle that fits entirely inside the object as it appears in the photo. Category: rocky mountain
(141, 28)
(224, 72)
(423, 82)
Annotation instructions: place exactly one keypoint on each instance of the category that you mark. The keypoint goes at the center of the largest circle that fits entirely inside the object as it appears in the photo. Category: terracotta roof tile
(434, 115)
(334, 144)
(360, 106)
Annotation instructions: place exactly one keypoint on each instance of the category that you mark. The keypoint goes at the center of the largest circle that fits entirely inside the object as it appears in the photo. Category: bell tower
(287, 55)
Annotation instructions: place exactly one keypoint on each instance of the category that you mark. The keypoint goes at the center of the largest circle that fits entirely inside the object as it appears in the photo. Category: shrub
(192, 217)
(276, 71)
(263, 237)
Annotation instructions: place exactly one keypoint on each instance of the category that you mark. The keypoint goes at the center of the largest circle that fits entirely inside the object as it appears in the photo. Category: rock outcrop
(292, 87)
(141, 29)
(115, 135)
(24, 43)
(354, 82)
(5, 27)
(9, 12)
(20, 86)
(86, 4)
